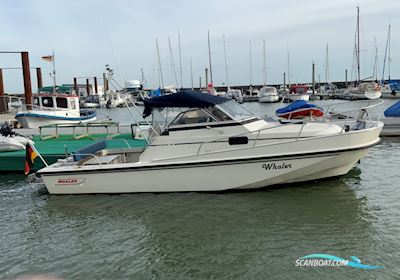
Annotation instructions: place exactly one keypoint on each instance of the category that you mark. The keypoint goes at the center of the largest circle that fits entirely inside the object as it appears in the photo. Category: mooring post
(345, 75)
(95, 85)
(3, 102)
(105, 82)
(284, 82)
(206, 70)
(313, 78)
(87, 87)
(27, 79)
(76, 86)
(39, 78)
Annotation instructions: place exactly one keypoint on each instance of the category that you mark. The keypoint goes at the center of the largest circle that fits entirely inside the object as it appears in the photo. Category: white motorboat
(215, 145)
(235, 94)
(297, 92)
(392, 121)
(54, 109)
(268, 95)
(114, 99)
(10, 142)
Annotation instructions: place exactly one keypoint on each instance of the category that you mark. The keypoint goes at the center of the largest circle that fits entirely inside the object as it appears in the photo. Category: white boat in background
(215, 145)
(235, 94)
(10, 142)
(298, 92)
(392, 120)
(54, 109)
(114, 99)
(268, 95)
(370, 90)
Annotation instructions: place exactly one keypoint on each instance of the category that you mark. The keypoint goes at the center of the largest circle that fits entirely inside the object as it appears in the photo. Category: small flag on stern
(47, 58)
(29, 158)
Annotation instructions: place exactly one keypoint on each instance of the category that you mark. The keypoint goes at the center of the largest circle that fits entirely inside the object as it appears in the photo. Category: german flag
(29, 158)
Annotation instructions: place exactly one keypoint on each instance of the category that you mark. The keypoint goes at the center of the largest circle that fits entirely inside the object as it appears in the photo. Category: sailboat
(370, 89)
(235, 94)
(390, 88)
(267, 94)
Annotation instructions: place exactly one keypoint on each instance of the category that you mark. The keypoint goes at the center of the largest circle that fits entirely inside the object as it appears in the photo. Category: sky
(88, 34)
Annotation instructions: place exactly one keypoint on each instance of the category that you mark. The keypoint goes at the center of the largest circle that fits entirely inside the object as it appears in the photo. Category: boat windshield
(235, 111)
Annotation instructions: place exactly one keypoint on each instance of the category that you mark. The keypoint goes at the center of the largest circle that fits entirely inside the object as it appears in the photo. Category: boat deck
(56, 148)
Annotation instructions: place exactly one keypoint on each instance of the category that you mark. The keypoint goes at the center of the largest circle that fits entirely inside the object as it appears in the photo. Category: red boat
(300, 109)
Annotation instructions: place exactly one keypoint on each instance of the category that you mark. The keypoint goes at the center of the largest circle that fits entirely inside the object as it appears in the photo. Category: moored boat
(392, 120)
(52, 109)
(268, 95)
(216, 145)
(300, 109)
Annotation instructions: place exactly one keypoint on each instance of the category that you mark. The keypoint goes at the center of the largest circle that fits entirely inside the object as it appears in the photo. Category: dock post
(76, 86)
(313, 78)
(3, 102)
(345, 74)
(95, 85)
(206, 70)
(284, 82)
(105, 82)
(27, 79)
(87, 87)
(39, 77)
(199, 82)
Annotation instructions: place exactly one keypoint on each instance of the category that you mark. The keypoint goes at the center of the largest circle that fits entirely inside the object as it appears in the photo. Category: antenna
(264, 65)
(172, 62)
(251, 67)
(159, 65)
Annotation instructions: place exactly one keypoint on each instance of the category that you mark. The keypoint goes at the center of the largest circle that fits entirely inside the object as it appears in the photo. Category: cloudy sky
(87, 34)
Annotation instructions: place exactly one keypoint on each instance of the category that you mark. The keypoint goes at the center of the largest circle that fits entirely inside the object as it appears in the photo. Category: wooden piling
(76, 86)
(95, 85)
(87, 87)
(27, 79)
(39, 77)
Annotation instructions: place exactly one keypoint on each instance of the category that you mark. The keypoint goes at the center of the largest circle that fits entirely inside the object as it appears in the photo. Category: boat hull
(302, 113)
(294, 97)
(268, 99)
(391, 127)
(37, 121)
(244, 174)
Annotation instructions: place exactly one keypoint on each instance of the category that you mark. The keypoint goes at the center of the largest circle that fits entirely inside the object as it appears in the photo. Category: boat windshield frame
(228, 109)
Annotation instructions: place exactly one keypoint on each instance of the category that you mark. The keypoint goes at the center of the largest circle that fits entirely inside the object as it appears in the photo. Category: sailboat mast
(264, 65)
(54, 74)
(327, 79)
(180, 59)
(172, 62)
(191, 72)
(209, 56)
(358, 45)
(226, 64)
(251, 67)
(389, 51)
(159, 65)
(288, 68)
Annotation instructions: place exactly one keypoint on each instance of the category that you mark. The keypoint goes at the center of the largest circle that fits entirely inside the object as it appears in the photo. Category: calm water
(233, 235)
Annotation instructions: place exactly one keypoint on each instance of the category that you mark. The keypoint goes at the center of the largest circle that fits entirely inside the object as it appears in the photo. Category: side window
(73, 104)
(47, 102)
(219, 114)
(193, 116)
(61, 102)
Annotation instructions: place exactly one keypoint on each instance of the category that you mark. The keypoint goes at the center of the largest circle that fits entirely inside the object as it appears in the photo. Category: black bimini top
(184, 98)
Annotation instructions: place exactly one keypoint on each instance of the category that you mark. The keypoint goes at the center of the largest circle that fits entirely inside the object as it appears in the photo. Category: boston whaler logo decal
(276, 166)
(70, 181)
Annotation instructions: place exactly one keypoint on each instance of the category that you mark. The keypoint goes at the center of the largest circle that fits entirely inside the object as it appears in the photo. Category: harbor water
(230, 235)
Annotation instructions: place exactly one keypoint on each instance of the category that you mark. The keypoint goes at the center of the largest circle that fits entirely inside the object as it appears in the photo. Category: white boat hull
(294, 97)
(245, 168)
(210, 177)
(36, 122)
(268, 99)
(391, 127)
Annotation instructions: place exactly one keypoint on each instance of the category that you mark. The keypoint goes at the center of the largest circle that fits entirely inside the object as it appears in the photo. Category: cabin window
(62, 102)
(221, 116)
(193, 116)
(73, 104)
(36, 101)
(47, 102)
